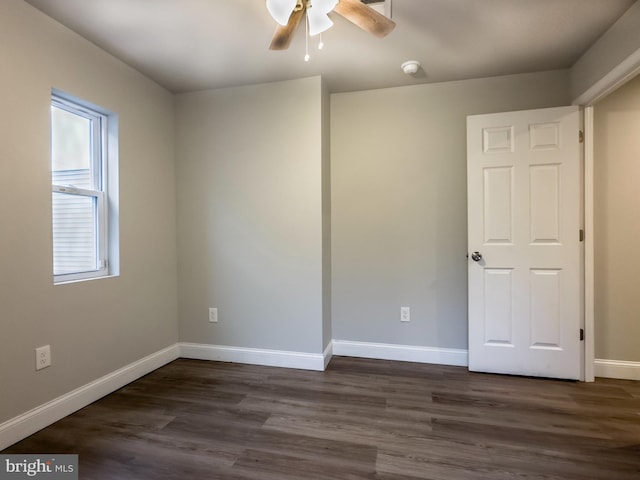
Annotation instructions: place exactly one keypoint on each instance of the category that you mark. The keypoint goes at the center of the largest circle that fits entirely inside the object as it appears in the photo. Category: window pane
(70, 149)
(74, 233)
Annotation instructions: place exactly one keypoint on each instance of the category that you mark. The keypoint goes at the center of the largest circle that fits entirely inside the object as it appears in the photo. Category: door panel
(498, 314)
(545, 204)
(498, 211)
(524, 204)
(546, 319)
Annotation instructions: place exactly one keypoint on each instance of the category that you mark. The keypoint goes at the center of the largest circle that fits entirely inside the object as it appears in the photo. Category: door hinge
(582, 334)
(581, 136)
(581, 235)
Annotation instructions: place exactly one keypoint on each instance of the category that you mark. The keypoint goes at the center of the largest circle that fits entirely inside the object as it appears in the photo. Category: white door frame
(589, 258)
(617, 77)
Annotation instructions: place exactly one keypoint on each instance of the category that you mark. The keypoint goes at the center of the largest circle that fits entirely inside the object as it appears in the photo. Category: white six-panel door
(524, 220)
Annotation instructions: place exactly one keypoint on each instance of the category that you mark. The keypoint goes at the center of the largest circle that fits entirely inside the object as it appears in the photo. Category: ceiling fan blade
(284, 34)
(365, 17)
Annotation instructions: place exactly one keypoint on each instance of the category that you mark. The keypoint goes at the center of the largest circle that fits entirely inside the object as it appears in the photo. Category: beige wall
(250, 216)
(399, 212)
(617, 224)
(93, 327)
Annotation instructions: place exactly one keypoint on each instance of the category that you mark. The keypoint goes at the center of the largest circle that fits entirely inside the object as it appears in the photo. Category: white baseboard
(617, 369)
(28, 423)
(403, 353)
(40, 417)
(328, 354)
(253, 356)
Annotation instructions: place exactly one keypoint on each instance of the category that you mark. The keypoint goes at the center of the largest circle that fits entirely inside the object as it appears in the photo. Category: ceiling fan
(289, 13)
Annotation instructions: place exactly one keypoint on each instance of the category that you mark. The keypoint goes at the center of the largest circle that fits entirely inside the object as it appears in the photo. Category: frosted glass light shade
(318, 22)
(281, 10)
(317, 12)
(325, 6)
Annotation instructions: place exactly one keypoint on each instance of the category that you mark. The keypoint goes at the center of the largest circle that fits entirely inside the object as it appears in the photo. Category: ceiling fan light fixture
(281, 10)
(318, 22)
(325, 6)
(316, 13)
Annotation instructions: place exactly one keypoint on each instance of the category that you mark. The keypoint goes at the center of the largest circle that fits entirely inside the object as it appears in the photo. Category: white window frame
(99, 168)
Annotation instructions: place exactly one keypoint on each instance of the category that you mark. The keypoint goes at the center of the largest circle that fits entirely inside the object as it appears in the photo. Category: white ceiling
(188, 45)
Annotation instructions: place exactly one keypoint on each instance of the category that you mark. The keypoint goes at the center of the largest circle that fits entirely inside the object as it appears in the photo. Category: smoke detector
(410, 67)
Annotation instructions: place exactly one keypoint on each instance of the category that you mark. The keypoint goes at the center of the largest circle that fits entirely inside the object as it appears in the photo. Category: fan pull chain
(321, 44)
(306, 23)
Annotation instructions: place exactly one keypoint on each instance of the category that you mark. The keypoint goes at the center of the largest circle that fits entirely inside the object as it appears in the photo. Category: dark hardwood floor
(361, 419)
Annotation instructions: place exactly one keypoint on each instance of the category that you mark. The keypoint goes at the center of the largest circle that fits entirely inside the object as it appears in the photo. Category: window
(80, 164)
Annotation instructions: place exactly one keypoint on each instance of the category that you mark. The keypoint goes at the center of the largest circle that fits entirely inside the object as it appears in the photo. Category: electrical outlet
(213, 315)
(405, 314)
(43, 357)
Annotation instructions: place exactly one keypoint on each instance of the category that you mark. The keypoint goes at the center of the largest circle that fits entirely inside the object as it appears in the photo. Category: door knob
(476, 256)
